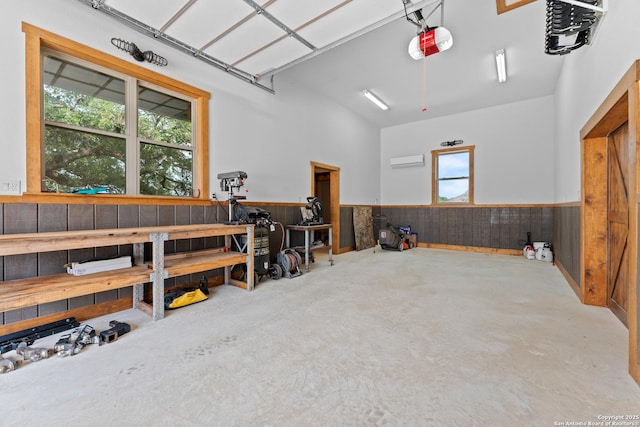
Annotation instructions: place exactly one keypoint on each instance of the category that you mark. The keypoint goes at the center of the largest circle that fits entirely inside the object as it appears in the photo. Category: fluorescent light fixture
(501, 65)
(375, 100)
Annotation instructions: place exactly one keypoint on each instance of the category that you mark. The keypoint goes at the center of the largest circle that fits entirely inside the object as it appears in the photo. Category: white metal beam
(579, 3)
(350, 37)
(177, 44)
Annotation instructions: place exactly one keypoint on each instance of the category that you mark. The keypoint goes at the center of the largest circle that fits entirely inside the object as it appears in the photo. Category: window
(503, 6)
(452, 180)
(84, 128)
(111, 126)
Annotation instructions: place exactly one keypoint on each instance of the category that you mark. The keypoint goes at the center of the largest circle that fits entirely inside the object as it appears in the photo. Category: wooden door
(618, 222)
(325, 183)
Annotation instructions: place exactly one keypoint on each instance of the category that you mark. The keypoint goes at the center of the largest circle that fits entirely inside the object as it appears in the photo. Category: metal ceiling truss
(261, 11)
(177, 44)
(374, 26)
(256, 80)
(601, 9)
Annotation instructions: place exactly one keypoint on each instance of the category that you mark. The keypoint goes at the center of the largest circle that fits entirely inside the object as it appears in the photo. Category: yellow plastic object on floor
(187, 298)
(177, 299)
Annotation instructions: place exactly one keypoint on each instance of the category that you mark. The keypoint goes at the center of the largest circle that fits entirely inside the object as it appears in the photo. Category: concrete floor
(418, 338)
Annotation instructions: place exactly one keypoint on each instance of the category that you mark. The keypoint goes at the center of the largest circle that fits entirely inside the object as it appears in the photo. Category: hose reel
(290, 261)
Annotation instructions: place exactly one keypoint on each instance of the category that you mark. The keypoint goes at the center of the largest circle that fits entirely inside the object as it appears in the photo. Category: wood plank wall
(567, 241)
(484, 227)
(31, 217)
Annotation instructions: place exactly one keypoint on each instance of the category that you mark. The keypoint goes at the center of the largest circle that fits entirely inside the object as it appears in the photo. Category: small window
(452, 175)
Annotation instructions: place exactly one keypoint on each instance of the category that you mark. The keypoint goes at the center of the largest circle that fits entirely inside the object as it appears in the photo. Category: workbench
(308, 241)
(31, 291)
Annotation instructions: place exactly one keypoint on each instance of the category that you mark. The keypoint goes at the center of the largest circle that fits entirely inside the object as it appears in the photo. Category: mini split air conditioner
(407, 161)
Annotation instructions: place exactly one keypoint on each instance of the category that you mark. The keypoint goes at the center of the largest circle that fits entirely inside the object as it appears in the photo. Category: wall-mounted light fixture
(371, 97)
(137, 54)
(501, 65)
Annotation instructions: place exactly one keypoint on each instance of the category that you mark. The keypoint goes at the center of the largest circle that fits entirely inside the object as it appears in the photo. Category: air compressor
(263, 227)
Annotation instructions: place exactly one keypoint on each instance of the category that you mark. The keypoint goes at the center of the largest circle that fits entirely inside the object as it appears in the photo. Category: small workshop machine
(231, 182)
(312, 212)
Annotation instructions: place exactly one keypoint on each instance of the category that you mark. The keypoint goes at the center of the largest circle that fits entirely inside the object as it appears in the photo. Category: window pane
(78, 96)
(453, 191)
(165, 171)
(77, 160)
(454, 165)
(164, 118)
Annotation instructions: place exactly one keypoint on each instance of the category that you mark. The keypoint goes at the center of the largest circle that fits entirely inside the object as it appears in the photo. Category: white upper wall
(272, 138)
(514, 146)
(587, 77)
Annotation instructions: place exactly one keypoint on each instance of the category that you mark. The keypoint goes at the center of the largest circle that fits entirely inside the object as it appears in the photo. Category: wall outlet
(10, 187)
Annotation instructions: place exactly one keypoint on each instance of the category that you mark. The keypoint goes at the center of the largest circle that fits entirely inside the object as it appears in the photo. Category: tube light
(501, 65)
(375, 100)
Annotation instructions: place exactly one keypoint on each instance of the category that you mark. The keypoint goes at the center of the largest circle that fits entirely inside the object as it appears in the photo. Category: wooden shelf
(189, 262)
(311, 248)
(203, 230)
(32, 291)
(24, 243)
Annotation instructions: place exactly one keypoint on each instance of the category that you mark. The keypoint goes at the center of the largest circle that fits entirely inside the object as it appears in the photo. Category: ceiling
(341, 47)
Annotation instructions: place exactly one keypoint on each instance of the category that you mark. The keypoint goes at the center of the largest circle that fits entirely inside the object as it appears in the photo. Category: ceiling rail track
(261, 11)
(400, 14)
(177, 44)
(296, 30)
(234, 27)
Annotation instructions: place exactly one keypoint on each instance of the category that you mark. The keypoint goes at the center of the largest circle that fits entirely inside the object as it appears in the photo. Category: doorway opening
(609, 208)
(325, 184)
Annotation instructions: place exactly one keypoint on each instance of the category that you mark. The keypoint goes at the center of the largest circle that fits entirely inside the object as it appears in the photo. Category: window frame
(502, 6)
(435, 154)
(37, 39)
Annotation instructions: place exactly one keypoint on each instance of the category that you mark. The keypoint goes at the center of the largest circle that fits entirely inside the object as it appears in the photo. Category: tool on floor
(117, 330)
(529, 251)
(290, 261)
(544, 251)
(32, 354)
(6, 365)
(29, 336)
(71, 344)
(391, 238)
